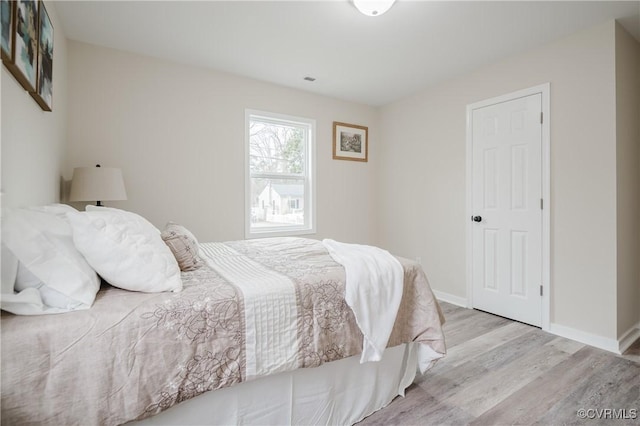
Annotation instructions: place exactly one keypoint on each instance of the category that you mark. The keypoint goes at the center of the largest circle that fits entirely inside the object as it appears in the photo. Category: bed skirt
(341, 392)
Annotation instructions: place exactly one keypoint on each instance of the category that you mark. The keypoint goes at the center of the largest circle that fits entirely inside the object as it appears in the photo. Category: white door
(507, 211)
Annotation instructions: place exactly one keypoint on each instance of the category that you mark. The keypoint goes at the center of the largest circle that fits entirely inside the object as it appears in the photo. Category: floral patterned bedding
(133, 355)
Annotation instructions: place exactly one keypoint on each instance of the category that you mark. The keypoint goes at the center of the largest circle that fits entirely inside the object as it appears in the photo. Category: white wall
(628, 179)
(177, 132)
(33, 141)
(423, 174)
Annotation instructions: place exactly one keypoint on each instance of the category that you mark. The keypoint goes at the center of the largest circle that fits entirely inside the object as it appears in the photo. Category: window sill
(279, 233)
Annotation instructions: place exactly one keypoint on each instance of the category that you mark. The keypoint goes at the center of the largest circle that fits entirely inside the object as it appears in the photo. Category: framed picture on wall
(350, 142)
(44, 88)
(7, 17)
(25, 44)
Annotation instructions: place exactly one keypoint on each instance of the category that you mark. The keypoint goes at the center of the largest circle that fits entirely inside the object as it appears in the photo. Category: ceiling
(369, 60)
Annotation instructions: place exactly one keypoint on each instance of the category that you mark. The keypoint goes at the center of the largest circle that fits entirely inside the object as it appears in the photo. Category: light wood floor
(498, 372)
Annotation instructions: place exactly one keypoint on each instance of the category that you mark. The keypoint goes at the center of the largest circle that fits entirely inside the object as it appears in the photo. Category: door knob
(477, 218)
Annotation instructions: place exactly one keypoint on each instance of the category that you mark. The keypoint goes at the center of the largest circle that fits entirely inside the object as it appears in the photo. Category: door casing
(544, 90)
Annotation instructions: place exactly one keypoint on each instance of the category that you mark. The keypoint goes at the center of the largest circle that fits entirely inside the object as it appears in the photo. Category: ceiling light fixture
(373, 7)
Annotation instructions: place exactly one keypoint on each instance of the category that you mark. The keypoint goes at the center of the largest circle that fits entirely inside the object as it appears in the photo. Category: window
(280, 175)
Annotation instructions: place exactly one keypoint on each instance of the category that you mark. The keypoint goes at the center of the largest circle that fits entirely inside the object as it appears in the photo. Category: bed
(259, 334)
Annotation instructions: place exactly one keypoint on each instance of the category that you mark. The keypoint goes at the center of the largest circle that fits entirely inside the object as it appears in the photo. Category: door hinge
(541, 204)
(541, 292)
(541, 117)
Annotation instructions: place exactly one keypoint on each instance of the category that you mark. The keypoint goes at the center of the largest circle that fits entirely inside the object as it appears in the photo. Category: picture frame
(7, 15)
(43, 94)
(350, 142)
(25, 44)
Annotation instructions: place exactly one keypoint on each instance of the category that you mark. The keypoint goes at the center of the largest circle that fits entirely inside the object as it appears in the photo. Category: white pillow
(58, 210)
(9, 269)
(51, 276)
(125, 249)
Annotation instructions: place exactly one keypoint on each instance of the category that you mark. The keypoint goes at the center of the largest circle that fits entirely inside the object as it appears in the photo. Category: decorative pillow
(183, 245)
(125, 249)
(51, 275)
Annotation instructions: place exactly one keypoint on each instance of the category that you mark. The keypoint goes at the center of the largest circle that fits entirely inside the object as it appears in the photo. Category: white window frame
(309, 226)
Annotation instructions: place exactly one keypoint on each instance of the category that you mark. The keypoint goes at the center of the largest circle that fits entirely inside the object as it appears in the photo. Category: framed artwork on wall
(350, 142)
(43, 94)
(7, 16)
(25, 44)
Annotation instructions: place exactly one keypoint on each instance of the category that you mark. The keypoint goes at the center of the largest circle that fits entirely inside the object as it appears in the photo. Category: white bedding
(270, 310)
(373, 291)
(342, 392)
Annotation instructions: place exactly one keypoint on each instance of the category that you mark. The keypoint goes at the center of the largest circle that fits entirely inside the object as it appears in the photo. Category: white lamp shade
(97, 184)
(373, 7)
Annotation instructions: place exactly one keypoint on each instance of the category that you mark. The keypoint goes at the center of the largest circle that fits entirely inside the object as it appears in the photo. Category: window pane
(276, 148)
(280, 175)
(277, 202)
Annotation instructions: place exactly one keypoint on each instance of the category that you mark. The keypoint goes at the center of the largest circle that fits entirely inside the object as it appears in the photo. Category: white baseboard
(628, 338)
(607, 344)
(450, 298)
(612, 345)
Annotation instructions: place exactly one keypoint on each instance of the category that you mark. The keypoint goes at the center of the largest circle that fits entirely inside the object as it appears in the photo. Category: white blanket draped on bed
(374, 282)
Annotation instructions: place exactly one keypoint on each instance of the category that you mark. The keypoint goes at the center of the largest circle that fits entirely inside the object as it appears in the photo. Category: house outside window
(280, 184)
